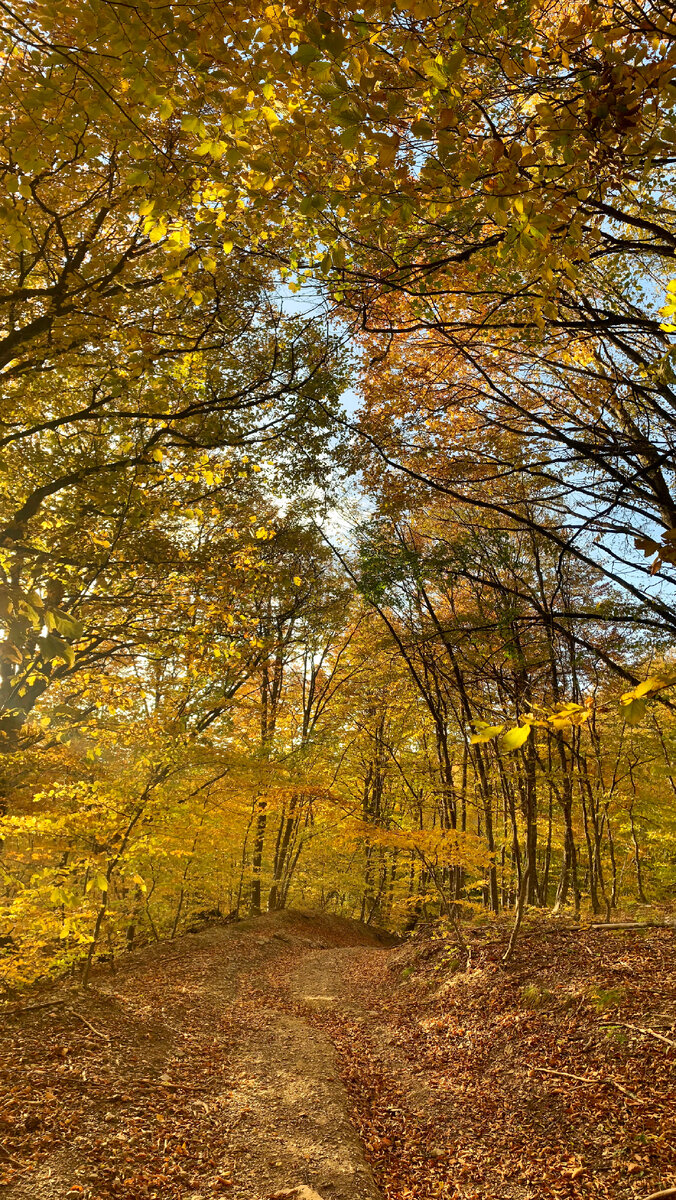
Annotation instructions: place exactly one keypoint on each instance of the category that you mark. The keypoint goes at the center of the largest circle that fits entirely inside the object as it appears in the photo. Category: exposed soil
(251, 1059)
(178, 1076)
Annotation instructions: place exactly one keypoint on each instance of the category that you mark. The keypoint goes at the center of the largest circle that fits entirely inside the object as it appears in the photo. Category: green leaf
(52, 647)
(435, 72)
(65, 624)
(634, 711)
(138, 178)
(334, 43)
(68, 655)
(29, 611)
(306, 54)
(348, 138)
(422, 129)
(10, 653)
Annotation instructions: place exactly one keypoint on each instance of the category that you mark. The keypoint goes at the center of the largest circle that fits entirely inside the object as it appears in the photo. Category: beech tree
(262, 647)
(503, 198)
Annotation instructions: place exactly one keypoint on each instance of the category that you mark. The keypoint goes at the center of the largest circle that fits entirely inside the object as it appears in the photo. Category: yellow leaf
(579, 718)
(652, 684)
(560, 720)
(485, 734)
(515, 738)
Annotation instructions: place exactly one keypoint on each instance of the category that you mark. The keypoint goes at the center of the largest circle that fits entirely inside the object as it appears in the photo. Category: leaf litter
(213, 1066)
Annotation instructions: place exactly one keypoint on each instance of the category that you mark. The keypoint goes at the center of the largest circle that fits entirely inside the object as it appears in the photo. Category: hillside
(298, 1050)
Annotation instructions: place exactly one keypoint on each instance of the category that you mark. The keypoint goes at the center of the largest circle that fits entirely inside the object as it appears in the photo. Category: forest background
(399, 658)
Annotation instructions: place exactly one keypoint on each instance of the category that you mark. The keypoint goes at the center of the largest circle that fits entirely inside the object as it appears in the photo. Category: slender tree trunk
(613, 861)
(257, 859)
(544, 885)
(521, 905)
(531, 818)
(596, 907)
(637, 858)
(288, 828)
(569, 871)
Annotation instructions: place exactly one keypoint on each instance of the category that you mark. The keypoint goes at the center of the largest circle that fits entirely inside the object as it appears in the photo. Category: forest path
(301, 1133)
(295, 1056)
(198, 1069)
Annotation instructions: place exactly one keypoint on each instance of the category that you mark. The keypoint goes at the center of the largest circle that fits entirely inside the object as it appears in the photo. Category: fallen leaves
(458, 1089)
(600, 1119)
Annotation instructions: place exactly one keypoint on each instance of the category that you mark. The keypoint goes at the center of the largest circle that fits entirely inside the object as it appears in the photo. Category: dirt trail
(192, 1072)
(298, 1102)
(296, 1051)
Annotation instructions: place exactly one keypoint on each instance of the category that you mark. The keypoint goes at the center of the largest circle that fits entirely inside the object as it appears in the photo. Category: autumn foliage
(402, 656)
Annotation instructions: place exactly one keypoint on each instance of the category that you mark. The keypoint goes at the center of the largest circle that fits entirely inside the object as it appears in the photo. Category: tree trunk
(257, 859)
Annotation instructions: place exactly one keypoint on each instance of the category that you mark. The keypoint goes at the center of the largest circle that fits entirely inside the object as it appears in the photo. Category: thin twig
(520, 907)
(661, 1195)
(105, 1036)
(11, 1158)
(10, 1012)
(566, 1074)
(629, 925)
(182, 1087)
(167, 1083)
(585, 1079)
(641, 1029)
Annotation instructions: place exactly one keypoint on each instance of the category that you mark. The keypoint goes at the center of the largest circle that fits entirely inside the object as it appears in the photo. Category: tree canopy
(337, 493)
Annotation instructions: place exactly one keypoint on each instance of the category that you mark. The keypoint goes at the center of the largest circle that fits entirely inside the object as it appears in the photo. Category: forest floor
(299, 1050)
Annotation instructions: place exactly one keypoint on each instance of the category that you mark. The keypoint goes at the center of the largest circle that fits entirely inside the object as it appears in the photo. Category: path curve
(196, 1071)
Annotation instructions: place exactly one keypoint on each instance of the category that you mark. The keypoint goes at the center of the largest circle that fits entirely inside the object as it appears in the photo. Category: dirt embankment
(552, 1077)
(298, 1051)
